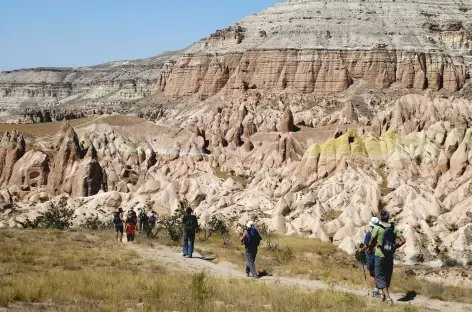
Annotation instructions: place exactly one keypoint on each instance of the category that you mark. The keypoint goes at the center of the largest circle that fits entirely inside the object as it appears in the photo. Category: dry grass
(44, 129)
(315, 260)
(81, 271)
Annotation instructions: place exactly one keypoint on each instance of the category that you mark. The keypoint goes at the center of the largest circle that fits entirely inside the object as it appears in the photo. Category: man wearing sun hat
(370, 255)
(251, 241)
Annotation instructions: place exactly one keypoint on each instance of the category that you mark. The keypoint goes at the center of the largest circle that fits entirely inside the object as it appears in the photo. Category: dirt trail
(172, 257)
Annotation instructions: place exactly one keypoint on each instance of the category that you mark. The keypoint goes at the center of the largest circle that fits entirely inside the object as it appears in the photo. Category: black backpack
(389, 240)
(253, 238)
(190, 224)
(152, 219)
(117, 218)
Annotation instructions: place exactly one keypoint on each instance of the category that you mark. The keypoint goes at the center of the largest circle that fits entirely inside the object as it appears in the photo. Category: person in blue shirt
(251, 241)
(370, 256)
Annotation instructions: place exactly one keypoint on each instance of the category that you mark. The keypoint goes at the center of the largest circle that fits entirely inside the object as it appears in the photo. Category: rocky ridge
(302, 45)
(237, 165)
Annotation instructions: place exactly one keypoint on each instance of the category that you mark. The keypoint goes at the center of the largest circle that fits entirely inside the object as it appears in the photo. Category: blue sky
(87, 32)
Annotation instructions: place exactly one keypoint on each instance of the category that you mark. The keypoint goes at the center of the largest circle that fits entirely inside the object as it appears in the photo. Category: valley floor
(80, 270)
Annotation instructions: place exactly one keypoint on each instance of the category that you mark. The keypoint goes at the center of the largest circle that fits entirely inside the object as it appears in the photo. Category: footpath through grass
(86, 271)
(314, 260)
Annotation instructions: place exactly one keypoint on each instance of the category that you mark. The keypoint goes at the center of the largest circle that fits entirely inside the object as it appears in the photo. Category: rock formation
(288, 116)
(305, 46)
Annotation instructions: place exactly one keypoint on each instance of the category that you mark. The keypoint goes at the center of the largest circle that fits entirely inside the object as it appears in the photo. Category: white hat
(250, 224)
(374, 221)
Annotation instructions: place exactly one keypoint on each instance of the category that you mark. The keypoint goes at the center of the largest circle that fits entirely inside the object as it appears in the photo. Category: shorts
(383, 271)
(370, 263)
(119, 228)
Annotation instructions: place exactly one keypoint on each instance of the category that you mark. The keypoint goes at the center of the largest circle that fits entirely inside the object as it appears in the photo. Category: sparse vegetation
(95, 223)
(431, 220)
(216, 226)
(44, 129)
(452, 227)
(39, 265)
(173, 225)
(58, 216)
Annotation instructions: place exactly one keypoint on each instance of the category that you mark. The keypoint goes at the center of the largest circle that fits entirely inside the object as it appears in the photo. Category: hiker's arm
(373, 240)
(243, 238)
(402, 241)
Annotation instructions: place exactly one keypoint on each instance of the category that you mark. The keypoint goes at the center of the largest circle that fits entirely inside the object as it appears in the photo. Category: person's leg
(191, 245)
(185, 248)
(121, 233)
(370, 266)
(388, 274)
(132, 237)
(386, 279)
(116, 233)
(380, 276)
(250, 262)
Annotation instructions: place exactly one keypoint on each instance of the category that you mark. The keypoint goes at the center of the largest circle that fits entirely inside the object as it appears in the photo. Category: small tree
(269, 237)
(173, 225)
(58, 216)
(94, 223)
(216, 226)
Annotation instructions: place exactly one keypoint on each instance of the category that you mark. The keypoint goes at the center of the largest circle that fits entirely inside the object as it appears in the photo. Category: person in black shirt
(190, 222)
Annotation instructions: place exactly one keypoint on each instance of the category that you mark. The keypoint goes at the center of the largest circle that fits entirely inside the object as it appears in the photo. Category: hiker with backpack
(143, 221)
(131, 222)
(118, 221)
(384, 238)
(370, 256)
(251, 241)
(152, 220)
(190, 222)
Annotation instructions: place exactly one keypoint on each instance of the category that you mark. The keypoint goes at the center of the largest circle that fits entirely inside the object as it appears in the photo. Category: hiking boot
(184, 255)
(389, 301)
(376, 294)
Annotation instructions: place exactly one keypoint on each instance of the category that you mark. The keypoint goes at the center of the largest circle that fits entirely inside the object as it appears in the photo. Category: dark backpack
(143, 218)
(253, 239)
(152, 219)
(190, 224)
(117, 218)
(388, 244)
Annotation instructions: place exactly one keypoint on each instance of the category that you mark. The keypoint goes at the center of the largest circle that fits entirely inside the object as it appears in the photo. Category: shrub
(201, 290)
(94, 223)
(173, 224)
(430, 220)
(269, 237)
(285, 255)
(216, 226)
(448, 262)
(58, 216)
(452, 227)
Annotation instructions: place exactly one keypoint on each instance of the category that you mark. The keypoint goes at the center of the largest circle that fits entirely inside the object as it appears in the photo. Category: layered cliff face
(320, 47)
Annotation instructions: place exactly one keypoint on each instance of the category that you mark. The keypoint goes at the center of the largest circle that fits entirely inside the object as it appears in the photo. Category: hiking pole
(361, 258)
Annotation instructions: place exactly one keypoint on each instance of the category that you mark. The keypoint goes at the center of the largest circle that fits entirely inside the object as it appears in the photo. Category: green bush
(94, 223)
(173, 225)
(58, 216)
(284, 255)
(201, 290)
(216, 226)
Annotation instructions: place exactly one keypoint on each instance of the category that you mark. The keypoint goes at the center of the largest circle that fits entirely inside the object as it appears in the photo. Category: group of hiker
(379, 246)
(130, 225)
